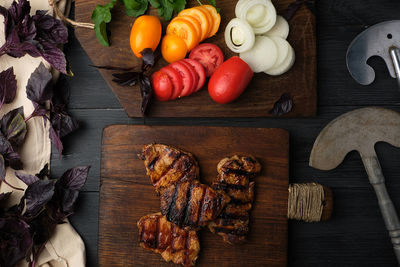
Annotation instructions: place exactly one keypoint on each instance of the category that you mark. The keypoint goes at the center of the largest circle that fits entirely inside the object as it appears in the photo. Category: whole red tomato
(230, 80)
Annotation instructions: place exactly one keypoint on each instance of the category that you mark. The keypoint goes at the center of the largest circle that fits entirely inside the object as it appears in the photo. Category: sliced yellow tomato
(209, 19)
(201, 16)
(194, 22)
(185, 30)
(216, 19)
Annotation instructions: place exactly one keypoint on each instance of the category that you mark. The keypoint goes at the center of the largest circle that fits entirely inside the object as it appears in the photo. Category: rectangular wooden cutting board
(300, 82)
(126, 193)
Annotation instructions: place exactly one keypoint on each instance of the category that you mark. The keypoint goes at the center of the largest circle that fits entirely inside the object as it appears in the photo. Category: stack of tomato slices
(181, 78)
(186, 76)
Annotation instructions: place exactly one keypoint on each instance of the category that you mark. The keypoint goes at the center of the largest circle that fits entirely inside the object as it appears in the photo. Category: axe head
(374, 41)
(357, 130)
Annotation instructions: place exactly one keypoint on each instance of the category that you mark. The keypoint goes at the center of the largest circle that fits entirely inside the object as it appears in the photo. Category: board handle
(310, 202)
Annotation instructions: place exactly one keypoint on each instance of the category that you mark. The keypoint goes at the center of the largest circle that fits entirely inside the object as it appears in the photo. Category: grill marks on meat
(192, 204)
(167, 165)
(234, 175)
(174, 244)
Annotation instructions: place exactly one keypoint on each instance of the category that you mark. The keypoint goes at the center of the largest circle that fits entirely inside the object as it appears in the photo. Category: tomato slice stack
(179, 79)
(192, 25)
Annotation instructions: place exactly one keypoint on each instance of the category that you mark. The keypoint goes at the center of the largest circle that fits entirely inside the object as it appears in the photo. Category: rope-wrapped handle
(309, 202)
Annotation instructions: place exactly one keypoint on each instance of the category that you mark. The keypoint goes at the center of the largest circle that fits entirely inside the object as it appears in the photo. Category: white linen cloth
(65, 248)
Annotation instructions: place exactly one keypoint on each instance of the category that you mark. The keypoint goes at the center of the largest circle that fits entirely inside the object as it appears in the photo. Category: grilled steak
(167, 165)
(192, 204)
(173, 243)
(233, 178)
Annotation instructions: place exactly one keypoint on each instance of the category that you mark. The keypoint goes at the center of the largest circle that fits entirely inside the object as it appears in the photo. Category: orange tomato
(194, 22)
(185, 30)
(201, 16)
(209, 19)
(173, 48)
(145, 33)
(216, 19)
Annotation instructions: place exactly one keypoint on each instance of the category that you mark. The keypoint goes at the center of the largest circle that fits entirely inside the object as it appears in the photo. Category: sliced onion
(239, 7)
(256, 14)
(239, 36)
(286, 65)
(267, 21)
(281, 28)
(262, 56)
(283, 49)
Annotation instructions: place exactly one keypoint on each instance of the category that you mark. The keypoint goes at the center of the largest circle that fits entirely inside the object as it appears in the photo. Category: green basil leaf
(179, 5)
(135, 8)
(155, 3)
(101, 16)
(166, 9)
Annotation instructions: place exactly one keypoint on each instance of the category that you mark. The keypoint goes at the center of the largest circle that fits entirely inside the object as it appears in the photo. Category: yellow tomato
(201, 16)
(173, 48)
(185, 30)
(145, 33)
(215, 17)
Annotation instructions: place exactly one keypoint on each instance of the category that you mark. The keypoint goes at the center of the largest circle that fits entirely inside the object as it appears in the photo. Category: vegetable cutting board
(126, 193)
(256, 101)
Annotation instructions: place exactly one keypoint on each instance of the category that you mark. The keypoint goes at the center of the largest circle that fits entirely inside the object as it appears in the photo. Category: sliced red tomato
(162, 86)
(229, 80)
(208, 55)
(195, 76)
(200, 72)
(186, 75)
(176, 80)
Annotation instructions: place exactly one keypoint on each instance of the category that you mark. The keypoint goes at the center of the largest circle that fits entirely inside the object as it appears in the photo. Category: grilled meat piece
(233, 178)
(167, 165)
(174, 244)
(192, 204)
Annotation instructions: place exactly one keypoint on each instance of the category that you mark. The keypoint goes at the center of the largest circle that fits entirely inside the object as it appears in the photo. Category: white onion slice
(255, 15)
(281, 28)
(239, 36)
(262, 55)
(285, 66)
(239, 7)
(268, 20)
(283, 50)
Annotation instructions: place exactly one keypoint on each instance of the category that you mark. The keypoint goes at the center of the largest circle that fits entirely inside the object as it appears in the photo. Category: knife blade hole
(389, 36)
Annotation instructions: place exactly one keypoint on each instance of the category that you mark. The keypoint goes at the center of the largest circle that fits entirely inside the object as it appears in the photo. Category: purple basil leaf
(5, 145)
(74, 178)
(146, 90)
(50, 29)
(8, 85)
(54, 56)
(68, 200)
(5, 196)
(13, 127)
(15, 241)
(16, 130)
(148, 59)
(27, 29)
(44, 172)
(63, 124)
(55, 139)
(282, 106)
(19, 9)
(28, 179)
(39, 88)
(13, 160)
(37, 195)
(2, 168)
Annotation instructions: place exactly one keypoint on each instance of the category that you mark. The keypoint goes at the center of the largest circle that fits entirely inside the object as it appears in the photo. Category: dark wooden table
(356, 235)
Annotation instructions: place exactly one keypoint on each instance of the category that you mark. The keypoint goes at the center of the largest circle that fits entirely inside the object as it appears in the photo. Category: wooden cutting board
(126, 193)
(257, 100)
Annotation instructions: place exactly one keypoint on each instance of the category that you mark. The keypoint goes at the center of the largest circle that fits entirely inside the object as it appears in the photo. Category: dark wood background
(356, 235)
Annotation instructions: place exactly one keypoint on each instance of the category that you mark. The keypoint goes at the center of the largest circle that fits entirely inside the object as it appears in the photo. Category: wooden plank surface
(126, 193)
(256, 101)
